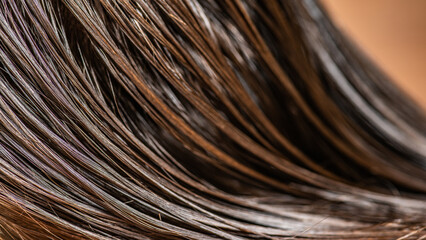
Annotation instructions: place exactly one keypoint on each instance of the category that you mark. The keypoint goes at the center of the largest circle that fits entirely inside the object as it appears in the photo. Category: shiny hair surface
(200, 119)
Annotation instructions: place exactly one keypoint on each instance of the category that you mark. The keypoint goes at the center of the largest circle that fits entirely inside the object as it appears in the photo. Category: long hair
(200, 119)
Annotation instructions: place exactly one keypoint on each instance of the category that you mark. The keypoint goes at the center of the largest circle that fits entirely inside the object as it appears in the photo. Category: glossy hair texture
(200, 119)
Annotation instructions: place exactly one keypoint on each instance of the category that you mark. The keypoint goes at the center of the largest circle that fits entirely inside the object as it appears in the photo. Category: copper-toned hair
(200, 119)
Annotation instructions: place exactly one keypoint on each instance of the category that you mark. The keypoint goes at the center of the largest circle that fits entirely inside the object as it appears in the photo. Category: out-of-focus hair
(200, 119)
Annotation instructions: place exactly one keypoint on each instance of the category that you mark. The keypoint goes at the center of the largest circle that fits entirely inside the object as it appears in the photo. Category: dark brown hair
(200, 119)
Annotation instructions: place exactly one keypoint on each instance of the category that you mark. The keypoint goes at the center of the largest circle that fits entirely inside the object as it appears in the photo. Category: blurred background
(392, 33)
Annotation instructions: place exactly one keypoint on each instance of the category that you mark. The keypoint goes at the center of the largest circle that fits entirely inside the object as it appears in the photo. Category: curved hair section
(200, 119)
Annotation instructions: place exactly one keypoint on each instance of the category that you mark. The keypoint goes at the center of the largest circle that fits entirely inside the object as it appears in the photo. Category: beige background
(392, 33)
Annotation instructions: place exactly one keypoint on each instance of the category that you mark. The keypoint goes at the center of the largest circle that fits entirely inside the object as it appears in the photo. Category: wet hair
(200, 119)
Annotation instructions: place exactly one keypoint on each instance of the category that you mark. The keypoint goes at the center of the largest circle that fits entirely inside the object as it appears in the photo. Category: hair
(200, 119)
